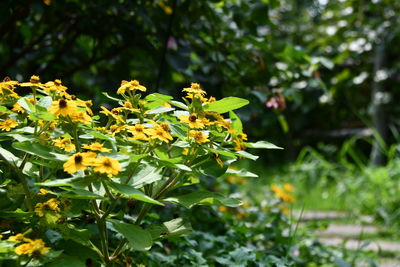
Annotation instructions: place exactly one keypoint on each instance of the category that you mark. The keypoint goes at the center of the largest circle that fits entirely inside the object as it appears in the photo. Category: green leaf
(262, 144)
(39, 150)
(246, 155)
(131, 192)
(10, 157)
(76, 193)
(138, 238)
(158, 97)
(76, 182)
(160, 109)
(226, 104)
(179, 105)
(203, 198)
(45, 102)
(146, 174)
(174, 228)
(241, 173)
(222, 151)
(236, 122)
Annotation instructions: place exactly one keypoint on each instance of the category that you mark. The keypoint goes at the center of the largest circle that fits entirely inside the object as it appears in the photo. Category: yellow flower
(288, 187)
(107, 165)
(96, 146)
(34, 81)
(63, 107)
(17, 238)
(285, 196)
(284, 211)
(132, 85)
(127, 106)
(195, 90)
(222, 208)
(49, 205)
(114, 114)
(199, 136)
(79, 161)
(226, 124)
(85, 104)
(242, 136)
(54, 86)
(158, 132)
(139, 132)
(114, 129)
(7, 125)
(18, 108)
(65, 143)
(192, 120)
(238, 144)
(33, 248)
(43, 192)
(81, 117)
(276, 189)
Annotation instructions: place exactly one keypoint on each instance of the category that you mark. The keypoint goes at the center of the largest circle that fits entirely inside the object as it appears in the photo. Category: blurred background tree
(312, 69)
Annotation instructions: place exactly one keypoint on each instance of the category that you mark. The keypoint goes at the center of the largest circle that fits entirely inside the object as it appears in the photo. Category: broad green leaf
(76, 193)
(17, 214)
(160, 109)
(26, 104)
(39, 150)
(246, 155)
(158, 97)
(262, 144)
(146, 174)
(222, 151)
(174, 228)
(209, 167)
(72, 182)
(241, 173)
(138, 238)
(131, 192)
(179, 105)
(203, 198)
(226, 104)
(45, 102)
(69, 231)
(10, 157)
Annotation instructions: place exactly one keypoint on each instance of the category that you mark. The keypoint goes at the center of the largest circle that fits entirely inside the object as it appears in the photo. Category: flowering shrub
(79, 187)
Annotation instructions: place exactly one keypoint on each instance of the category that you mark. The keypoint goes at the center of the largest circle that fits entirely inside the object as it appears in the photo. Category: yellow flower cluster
(32, 248)
(83, 160)
(284, 192)
(50, 205)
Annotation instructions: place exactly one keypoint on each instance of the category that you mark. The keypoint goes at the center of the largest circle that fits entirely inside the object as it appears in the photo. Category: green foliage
(69, 183)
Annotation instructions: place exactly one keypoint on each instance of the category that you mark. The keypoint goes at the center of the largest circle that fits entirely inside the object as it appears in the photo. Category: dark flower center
(62, 103)
(78, 159)
(107, 163)
(192, 118)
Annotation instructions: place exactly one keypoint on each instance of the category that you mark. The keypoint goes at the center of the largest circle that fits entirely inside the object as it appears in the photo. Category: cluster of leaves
(79, 188)
(254, 234)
